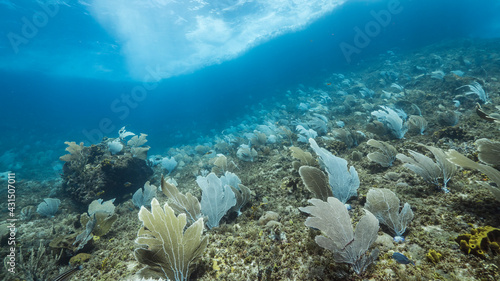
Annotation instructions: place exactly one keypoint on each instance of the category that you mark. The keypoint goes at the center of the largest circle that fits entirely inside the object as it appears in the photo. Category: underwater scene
(250, 140)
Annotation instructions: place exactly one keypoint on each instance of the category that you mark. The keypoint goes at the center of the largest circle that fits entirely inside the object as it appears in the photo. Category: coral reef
(94, 172)
(480, 241)
(269, 240)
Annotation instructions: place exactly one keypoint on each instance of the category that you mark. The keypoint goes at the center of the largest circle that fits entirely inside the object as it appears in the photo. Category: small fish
(328, 84)
(65, 275)
(208, 153)
(400, 258)
(127, 184)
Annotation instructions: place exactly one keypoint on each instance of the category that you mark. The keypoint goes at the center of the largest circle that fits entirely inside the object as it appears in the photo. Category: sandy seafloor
(243, 249)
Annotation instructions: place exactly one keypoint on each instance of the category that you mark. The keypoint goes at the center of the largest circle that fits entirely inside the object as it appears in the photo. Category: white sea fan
(115, 146)
(338, 236)
(246, 153)
(124, 133)
(168, 164)
(394, 120)
(305, 134)
(343, 181)
(476, 89)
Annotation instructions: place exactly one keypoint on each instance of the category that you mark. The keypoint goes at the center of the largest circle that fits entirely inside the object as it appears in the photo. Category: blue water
(66, 70)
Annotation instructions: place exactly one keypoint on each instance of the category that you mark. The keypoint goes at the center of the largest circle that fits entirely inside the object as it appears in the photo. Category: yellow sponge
(480, 240)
